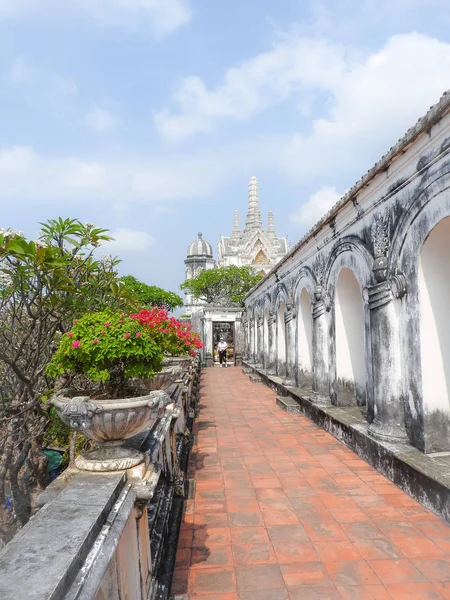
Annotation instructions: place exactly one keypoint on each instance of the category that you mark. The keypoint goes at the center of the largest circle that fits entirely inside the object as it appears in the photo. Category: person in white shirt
(222, 351)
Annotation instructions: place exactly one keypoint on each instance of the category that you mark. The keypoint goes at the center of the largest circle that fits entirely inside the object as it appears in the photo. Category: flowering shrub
(174, 337)
(108, 347)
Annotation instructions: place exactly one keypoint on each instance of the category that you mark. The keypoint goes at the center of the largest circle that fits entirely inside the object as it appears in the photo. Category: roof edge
(433, 116)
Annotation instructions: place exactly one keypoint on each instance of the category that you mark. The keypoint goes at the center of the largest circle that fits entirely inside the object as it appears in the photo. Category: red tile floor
(283, 511)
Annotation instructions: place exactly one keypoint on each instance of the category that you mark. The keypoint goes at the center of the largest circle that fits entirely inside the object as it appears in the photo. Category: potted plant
(114, 351)
(178, 341)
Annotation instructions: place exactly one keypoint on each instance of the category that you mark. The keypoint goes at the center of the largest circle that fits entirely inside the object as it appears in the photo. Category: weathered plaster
(377, 294)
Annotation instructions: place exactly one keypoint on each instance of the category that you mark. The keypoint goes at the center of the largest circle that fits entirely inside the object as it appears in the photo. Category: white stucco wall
(434, 286)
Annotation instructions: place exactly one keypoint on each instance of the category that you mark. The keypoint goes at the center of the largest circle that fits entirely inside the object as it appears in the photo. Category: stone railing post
(384, 301)
(320, 349)
(290, 320)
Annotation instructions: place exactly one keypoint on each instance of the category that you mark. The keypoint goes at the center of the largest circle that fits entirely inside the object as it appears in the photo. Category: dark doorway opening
(226, 330)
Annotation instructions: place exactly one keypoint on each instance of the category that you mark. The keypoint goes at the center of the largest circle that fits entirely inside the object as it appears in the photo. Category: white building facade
(358, 312)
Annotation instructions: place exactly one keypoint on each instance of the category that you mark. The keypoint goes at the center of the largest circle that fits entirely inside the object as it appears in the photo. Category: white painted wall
(434, 295)
(305, 332)
(349, 319)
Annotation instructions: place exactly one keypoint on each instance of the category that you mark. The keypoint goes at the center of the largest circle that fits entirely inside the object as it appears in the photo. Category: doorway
(226, 330)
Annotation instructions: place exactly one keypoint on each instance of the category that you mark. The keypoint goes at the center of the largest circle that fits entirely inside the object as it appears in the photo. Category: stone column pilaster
(238, 340)
(209, 350)
(251, 356)
(272, 356)
(244, 337)
(320, 349)
(289, 320)
(259, 339)
(384, 301)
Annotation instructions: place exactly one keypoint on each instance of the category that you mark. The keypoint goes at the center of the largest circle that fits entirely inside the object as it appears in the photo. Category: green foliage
(227, 285)
(108, 347)
(44, 284)
(147, 296)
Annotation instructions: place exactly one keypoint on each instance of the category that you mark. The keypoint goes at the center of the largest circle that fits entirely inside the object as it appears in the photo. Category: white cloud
(370, 101)
(160, 16)
(66, 85)
(294, 65)
(128, 241)
(100, 120)
(159, 181)
(27, 176)
(371, 106)
(315, 208)
(21, 72)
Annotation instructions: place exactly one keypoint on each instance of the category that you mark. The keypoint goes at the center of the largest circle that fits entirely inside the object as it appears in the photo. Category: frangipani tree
(44, 284)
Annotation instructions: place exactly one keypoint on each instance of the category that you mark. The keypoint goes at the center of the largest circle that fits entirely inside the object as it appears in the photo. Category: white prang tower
(254, 246)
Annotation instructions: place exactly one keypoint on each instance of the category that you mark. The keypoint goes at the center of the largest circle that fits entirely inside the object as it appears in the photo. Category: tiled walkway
(284, 511)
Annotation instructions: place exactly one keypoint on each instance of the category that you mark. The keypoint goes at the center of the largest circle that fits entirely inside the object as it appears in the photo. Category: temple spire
(253, 220)
(271, 227)
(236, 227)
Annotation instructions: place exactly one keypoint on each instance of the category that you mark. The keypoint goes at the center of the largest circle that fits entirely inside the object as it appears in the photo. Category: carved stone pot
(183, 362)
(109, 423)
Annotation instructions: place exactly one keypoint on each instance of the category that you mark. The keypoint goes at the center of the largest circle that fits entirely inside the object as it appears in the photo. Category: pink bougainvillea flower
(95, 341)
(120, 321)
(75, 321)
(76, 344)
(108, 324)
(127, 335)
(69, 334)
(138, 334)
(103, 332)
(122, 315)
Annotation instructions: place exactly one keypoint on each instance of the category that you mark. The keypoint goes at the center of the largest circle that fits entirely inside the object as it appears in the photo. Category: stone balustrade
(106, 536)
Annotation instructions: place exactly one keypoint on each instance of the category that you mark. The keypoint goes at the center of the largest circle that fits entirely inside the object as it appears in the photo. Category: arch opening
(350, 344)
(434, 299)
(304, 348)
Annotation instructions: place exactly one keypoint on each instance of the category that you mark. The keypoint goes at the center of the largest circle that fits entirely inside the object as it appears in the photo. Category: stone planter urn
(109, 423)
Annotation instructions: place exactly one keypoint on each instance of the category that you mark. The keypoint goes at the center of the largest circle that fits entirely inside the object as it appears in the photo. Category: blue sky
(149, 116)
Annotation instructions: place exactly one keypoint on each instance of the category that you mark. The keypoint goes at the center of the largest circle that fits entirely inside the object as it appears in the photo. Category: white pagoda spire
(271, 227)
(236, 227)
(253, 220)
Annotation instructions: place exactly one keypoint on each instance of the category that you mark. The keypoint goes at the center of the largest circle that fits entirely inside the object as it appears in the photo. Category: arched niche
(304, 339)
(348, 272)
(417, 254)
(434, 302)
(349, 340)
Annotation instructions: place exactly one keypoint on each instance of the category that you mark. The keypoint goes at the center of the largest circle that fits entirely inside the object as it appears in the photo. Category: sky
(148, 117)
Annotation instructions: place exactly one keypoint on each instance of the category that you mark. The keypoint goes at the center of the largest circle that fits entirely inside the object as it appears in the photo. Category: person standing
(222, 351)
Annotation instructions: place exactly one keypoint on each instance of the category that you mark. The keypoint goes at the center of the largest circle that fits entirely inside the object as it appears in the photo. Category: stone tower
(199, 258)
